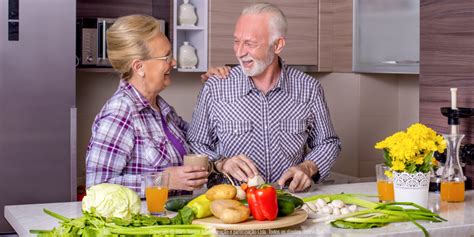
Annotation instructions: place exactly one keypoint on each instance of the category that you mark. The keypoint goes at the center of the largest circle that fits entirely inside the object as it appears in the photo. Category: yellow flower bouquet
(411, 151)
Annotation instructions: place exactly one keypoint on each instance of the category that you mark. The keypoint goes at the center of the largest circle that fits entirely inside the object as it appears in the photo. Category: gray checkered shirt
(233, 117)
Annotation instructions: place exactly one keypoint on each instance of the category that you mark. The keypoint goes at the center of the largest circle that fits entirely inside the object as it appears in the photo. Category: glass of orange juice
(384, 184)
(156, 192)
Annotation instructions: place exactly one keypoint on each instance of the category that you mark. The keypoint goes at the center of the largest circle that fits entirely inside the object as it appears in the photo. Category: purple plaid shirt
(128, 140)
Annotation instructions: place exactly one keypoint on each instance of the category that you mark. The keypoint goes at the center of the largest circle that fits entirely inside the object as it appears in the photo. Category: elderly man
(266, 118)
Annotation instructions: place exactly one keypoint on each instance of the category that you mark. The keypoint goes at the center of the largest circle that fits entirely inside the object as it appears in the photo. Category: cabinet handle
(73, 151)
(395, 62)
(104, 44)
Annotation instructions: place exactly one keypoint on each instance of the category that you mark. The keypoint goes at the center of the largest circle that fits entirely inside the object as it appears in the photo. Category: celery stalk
(346, 198)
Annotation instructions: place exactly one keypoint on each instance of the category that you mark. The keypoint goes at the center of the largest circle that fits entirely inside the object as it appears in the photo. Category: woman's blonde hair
(127, 39)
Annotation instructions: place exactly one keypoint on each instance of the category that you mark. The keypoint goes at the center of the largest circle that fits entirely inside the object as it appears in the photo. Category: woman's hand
(221, 72)
(187, 177)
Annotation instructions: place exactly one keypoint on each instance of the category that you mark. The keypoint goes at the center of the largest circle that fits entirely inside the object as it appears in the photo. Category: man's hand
(187, 177)
(239, 167)
(222, 72)
(300, 175)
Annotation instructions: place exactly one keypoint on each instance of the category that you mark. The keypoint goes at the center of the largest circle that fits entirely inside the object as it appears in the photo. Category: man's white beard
(259, 65)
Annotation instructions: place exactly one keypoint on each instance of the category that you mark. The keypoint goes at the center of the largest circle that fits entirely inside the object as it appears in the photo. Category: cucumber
(298, 202)
(177, 204)
(287, 204)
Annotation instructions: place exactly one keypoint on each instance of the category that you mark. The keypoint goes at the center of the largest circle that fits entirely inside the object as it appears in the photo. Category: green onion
(377, 215)
(346, 198)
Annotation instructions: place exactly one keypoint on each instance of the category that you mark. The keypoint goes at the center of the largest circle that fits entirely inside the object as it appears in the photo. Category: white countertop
(460, 217)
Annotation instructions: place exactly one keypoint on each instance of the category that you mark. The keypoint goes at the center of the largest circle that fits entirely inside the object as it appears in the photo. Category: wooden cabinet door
(302, 39)
(447, 60)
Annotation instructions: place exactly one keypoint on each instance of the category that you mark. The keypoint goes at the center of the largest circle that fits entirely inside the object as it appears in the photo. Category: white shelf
(189, 28)
(197, 36)
(186, 70)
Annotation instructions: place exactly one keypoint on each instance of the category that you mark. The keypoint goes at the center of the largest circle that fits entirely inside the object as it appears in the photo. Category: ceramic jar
(187, 58)
(187, 14)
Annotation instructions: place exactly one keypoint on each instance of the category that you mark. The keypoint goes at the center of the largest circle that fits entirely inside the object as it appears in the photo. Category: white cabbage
(111, 200)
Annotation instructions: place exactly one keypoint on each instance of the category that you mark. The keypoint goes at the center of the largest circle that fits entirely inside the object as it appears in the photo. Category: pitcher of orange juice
(452, 180)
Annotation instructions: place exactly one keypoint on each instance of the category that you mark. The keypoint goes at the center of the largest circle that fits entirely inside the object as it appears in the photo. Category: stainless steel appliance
(91, 47)
(37, 104)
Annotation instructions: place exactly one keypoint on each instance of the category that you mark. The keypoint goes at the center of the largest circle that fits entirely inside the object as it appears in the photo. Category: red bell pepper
(263, 202)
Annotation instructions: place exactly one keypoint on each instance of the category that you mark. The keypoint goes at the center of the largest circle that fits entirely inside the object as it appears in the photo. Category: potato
(217, 206)
(230, 211)
(233, 215)
(221, 191)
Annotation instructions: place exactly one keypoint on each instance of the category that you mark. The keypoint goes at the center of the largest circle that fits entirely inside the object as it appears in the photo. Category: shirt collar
(139, 100)
(282, 83)
(164, 107)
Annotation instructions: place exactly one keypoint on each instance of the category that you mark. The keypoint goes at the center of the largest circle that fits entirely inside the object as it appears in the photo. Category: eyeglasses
(168, 58)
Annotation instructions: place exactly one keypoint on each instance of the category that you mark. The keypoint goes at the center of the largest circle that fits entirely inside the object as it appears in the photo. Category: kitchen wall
(364, 108)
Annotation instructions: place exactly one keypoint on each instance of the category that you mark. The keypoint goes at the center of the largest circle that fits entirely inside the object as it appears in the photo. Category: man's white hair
(278, 24)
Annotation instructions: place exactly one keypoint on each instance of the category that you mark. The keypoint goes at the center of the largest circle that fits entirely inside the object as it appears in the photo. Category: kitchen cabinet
(447, 60)
(386, 36)
(160, 9)
(302, 39)
(195, 35)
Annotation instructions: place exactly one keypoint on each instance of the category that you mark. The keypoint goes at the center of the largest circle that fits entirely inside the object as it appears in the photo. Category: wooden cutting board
(297, 217)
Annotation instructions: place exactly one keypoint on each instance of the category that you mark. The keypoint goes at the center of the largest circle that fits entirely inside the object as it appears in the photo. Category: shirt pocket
(236, 137)
(155, 152)
(293, 136)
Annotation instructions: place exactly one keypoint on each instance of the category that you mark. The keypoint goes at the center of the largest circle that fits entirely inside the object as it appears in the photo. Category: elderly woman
(137, 131)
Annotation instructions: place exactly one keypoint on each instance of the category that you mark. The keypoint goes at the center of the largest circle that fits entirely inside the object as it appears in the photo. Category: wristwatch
(316, 177)
(213, 165)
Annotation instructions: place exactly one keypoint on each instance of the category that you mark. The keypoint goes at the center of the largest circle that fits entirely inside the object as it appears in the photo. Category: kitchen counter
(460, 217)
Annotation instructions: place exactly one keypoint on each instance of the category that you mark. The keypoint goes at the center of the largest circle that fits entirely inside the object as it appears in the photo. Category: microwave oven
(91, 44)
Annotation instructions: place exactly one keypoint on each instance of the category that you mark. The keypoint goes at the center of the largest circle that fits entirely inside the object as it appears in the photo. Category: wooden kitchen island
(460, 217)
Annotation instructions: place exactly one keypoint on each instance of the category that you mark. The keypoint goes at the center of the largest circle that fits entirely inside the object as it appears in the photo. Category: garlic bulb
(320, 202)
(345, 210)
(255, 181)
(338, 203)
(241, 195)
